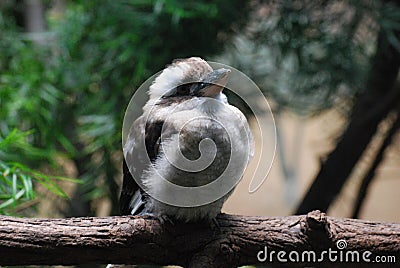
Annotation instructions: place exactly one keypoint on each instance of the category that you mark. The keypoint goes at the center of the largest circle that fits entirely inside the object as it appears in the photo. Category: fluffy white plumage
(174, 124)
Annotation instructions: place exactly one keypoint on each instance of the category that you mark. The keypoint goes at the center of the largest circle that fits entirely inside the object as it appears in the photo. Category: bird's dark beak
(213, 84)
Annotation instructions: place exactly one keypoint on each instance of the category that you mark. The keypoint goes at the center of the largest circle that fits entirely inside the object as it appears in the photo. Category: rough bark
(139, 240)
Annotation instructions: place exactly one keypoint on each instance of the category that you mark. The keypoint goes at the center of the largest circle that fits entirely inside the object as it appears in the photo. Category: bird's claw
(161, 218)
(215, 227)
(165, 219)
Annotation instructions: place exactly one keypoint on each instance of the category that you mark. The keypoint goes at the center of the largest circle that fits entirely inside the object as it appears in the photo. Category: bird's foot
(163, 219)
(215, 227)
(147, 215)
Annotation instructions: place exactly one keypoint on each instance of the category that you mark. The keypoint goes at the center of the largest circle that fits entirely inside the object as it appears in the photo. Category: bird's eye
(183, 89)
(204, 84)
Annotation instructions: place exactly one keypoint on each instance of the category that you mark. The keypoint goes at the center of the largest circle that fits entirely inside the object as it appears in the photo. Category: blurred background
(328, 68)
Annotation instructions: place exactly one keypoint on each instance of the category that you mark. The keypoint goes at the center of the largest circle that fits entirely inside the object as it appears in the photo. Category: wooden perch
(240, 239)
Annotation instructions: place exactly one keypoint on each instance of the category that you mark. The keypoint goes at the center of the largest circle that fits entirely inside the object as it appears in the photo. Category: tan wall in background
(317, 140)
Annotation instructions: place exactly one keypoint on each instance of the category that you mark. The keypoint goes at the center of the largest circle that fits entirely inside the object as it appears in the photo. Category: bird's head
(187, 78)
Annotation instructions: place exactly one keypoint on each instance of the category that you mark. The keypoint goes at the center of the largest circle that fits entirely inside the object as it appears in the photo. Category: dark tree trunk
(30, 15)
(34, 16)
(366, 182)
(380, 96)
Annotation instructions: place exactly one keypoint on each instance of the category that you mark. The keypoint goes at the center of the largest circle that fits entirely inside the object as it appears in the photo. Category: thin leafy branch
(18, 181)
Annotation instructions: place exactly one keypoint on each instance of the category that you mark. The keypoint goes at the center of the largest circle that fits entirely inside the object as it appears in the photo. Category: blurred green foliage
(309, 56)
(72, 87)
(16, 179)
(24, 107)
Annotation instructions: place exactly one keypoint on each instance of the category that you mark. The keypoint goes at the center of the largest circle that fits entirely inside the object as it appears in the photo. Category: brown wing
(129, 188)
(132, 198)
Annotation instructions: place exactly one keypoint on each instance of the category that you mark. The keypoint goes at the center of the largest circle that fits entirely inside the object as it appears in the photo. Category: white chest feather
(200, 140)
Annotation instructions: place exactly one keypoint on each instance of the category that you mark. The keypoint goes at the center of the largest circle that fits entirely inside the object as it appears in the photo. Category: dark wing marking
(153, 138)
(132, 198)
(129, 188)
(129, 185)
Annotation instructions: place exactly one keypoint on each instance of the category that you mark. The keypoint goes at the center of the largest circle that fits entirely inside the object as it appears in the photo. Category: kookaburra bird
(185, 154)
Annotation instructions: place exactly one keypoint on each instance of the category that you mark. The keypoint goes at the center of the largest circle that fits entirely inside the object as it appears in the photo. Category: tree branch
(370, 175)
(143, 240)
